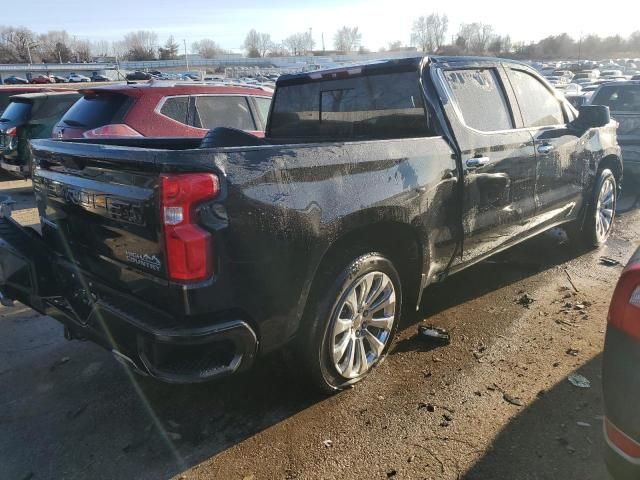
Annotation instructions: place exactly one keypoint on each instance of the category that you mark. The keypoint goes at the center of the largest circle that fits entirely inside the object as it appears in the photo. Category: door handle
(477, 162)
(545, 148)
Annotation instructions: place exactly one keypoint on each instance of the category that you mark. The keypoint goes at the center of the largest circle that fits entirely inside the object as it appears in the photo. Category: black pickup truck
(190, 260)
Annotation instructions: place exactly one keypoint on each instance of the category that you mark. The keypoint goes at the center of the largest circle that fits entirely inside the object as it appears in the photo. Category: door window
(176, 108)
(263, 107)
(219, 111)
(538, 105)
(480, 99)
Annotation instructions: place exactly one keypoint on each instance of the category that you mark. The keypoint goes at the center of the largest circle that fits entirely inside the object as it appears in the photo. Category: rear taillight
(189, 247)
(624, 311)
(115, 130)
(11, 132)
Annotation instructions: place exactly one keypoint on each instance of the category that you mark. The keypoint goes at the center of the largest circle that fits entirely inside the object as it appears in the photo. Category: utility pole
(59, 57)
(580, 48)
(29, 52)
(322, 42)
(186, 57)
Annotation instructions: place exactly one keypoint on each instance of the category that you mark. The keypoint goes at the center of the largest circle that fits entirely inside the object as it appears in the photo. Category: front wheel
(354, 314)
(598, 223)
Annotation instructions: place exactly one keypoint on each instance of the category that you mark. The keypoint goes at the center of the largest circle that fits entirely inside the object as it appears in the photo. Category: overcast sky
(380, 21)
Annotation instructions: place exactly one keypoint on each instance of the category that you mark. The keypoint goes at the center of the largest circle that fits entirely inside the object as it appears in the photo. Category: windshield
(16, 112)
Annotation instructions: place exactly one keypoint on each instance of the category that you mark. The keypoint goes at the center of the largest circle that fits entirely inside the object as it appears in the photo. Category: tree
(475, 37)
(82, 50)
(140, 45)
(170, 49)
(55, 46)
(257, 44)
(347, 39)
(18, 45)
(207, 48)
(299, 43)
(428, 33)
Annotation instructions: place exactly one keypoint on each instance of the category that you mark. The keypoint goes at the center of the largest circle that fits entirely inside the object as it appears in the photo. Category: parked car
(611, 73)
(372, 182)
(99, 78)
(164, 110)
(59, 79)
(77, 78)
(623, 99)
(621, 377)
(7, 92)
(138, 76)
(13, 80)
(39, 79)
(577, 100)
(29, 116)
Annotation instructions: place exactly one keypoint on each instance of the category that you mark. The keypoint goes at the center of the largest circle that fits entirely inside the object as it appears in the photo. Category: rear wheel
(354, 314)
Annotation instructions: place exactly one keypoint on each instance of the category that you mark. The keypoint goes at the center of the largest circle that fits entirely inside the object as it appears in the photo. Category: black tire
(592, 235)
(329, 293)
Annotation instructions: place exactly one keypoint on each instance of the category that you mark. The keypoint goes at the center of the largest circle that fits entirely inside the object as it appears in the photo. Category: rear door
(498, 158)
(562, 161)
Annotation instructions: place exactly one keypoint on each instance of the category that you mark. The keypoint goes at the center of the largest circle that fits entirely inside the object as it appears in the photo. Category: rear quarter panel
(288, 204)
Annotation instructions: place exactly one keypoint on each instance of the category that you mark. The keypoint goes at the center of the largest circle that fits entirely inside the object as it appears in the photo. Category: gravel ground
(495, 404)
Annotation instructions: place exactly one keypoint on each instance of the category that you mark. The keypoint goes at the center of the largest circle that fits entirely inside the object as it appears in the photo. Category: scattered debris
(512, 400)
(328, 443)
(579, 381)
(62, 361)
(447, 417)
(430, 407)
(570, 280)
(579, 306)
(411, 458)
(391, 473)
(249, 477)
(573, 352)
(525, 300)
(584, 424)
(444, 423)
(434, 334)
(609, 262)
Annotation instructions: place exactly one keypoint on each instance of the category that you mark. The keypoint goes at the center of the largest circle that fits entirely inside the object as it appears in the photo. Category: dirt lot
(70, 411)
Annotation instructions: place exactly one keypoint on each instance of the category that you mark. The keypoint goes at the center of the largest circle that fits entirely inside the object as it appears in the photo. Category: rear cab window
(93, 111)
(480, 99)
(373, 106)
(619, 98)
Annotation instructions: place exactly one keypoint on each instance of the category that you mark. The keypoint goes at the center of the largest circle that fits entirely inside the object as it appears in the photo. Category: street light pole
(186, 57)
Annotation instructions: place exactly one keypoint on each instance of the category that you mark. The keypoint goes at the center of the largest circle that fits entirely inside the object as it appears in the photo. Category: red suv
(161, 109)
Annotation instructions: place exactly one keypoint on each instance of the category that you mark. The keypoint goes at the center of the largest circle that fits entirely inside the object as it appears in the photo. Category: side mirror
(593, 116)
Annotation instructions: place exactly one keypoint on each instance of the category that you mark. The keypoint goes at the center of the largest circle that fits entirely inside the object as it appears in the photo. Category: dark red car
(163, 109)
(621, 376)
(40, 79)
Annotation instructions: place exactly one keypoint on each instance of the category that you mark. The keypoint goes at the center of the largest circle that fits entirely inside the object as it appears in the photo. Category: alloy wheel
(363, 322)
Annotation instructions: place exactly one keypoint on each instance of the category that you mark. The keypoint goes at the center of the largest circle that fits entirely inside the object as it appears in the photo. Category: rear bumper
(150, 341)
(620, 464)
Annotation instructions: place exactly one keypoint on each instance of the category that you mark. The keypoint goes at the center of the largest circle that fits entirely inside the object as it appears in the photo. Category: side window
(263, 105)
(218, 111)
(538, 105)
(480, 98)
(176, 108)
